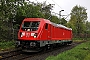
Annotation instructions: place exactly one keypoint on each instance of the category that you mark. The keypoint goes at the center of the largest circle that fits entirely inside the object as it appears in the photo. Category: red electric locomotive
(36, 33)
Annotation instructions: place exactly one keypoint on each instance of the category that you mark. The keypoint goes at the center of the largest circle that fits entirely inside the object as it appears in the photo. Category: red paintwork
(52, 33)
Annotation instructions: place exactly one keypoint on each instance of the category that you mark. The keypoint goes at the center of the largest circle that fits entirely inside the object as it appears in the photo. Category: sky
(67, 6)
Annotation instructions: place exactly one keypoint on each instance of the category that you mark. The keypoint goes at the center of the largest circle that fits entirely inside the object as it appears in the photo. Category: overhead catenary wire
(59, 6)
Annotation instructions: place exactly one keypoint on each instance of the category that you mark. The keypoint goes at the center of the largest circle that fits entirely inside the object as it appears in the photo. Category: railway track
(9, 54)
(19, 55)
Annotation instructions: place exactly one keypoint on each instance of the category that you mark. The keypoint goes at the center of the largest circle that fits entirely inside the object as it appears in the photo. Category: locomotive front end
(27, 35)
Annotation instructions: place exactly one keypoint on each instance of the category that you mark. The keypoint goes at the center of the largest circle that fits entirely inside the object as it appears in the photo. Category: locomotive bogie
(37, 45)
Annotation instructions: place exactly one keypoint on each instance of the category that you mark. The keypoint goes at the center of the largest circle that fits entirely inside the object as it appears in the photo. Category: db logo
(27, 34)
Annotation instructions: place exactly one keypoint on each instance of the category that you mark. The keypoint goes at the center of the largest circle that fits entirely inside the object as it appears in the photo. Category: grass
(81, 38)
(6, 45)
(81, 52)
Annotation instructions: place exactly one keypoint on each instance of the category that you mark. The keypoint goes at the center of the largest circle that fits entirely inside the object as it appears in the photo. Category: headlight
(34, 35)
(22, 34)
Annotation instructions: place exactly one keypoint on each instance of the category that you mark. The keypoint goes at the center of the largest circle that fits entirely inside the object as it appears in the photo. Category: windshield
(31, 25)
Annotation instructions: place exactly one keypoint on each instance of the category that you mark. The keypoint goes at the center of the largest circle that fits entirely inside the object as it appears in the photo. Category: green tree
(7, 16)
(63, 21)
(28, 11)
(55, 19)
(33, 10)
(87, 29)
(88, 26)
(46, 10)
(78, 19)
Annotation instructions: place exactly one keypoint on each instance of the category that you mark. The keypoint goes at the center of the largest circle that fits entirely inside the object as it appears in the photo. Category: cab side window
(46, 26)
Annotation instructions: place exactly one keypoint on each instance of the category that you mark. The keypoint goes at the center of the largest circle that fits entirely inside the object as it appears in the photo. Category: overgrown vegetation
(81, 52)
(6, 45)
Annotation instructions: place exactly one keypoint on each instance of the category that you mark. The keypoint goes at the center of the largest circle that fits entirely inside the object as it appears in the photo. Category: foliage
(27, 11)
(55, 19)
(46, 10)
(4, 45)
(63, 21)
(7, 15)
(78, 20)
(88, 26)
(81, 52)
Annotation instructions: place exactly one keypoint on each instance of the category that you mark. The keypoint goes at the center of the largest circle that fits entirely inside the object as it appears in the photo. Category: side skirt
(49, 42)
